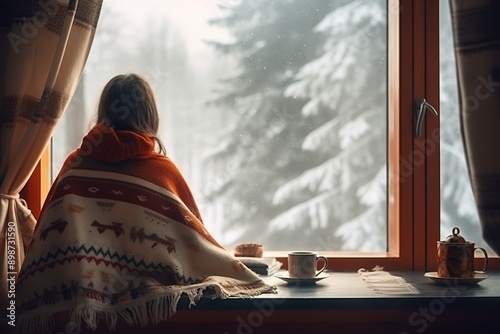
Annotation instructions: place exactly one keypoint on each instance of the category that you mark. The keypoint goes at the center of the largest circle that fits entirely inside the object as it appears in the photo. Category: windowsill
(327, 294)
(327, 308)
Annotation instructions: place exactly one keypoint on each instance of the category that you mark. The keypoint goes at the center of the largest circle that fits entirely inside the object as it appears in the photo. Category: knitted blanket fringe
(121, 256)
(154, 311)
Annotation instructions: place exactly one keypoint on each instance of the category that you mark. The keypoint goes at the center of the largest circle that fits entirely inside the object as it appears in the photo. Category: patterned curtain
(44, 45)
(476, 27)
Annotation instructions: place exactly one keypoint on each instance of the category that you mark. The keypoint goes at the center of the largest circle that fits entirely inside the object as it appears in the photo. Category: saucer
(478, 277)
(296, 280)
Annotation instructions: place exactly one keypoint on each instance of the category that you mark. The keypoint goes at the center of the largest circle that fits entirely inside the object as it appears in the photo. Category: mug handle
(325, 264)
(485, 259)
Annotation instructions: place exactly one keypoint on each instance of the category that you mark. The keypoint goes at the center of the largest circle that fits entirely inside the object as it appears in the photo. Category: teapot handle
(485, 260)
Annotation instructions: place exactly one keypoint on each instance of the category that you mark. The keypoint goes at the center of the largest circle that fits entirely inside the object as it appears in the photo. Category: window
(409, 71)
(281, 130)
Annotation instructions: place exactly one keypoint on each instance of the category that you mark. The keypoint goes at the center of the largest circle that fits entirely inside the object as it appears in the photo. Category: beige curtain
(476, 27)
(44, 45)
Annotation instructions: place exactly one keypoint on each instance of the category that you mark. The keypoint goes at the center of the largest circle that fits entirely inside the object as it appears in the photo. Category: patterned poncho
(120, 235)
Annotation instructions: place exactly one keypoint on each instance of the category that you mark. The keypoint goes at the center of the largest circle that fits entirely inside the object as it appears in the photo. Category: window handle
(422, 106)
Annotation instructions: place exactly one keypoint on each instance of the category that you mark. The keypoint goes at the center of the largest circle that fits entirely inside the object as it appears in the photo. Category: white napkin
(384, 282)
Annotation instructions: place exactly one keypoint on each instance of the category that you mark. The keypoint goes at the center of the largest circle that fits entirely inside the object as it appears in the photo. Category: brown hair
(127, 103)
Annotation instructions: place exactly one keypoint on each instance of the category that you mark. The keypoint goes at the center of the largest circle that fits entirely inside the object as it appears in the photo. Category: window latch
(422, 106)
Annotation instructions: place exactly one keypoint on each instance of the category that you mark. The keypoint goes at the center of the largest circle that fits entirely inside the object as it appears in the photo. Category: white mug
(304, 264)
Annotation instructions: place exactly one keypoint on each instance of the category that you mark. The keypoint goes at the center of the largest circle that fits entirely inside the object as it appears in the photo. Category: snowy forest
(275, 112)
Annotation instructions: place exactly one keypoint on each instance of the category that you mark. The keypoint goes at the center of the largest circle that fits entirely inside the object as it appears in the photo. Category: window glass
(458, 207)
(275, 111)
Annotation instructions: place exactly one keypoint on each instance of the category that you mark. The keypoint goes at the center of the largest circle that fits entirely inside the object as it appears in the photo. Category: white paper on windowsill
(385, 283)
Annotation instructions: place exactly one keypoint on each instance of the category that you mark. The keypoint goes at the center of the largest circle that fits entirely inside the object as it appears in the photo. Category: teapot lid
(455, 237)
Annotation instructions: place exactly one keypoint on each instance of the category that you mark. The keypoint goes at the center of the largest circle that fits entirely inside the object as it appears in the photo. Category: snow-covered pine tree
(305, 152)
(345, 205)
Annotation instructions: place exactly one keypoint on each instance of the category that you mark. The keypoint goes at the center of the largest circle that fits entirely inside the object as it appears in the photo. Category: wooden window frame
(414, 163)
(36, 189)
